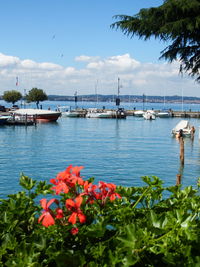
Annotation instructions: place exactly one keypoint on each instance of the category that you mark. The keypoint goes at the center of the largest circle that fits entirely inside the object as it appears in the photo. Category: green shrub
(99, 225)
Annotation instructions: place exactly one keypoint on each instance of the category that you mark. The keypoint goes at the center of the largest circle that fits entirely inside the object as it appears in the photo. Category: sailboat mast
(118, 99)
(96, 84)
(75, 99)
(118, 88)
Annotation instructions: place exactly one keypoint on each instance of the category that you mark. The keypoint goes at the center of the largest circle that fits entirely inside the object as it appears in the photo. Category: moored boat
(138, 113)
(163, 114)
(95, 113)
(183, 128)
(40, 115)
(3, 119)
(149, 115)
(66, 111)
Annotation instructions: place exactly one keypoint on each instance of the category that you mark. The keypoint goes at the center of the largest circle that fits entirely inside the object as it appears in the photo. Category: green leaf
(96, 229)
(43, 188)
(130, 237)
(26, 182)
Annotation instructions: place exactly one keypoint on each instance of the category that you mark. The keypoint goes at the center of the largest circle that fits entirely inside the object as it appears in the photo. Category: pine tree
(176, 22)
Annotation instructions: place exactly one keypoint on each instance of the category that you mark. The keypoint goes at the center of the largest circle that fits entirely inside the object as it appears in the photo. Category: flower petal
(74, 231)
(76, 170)
(47, 219)
(82, 217)
(41, 217)
(59, 213)
(78, 200)
(70, 203)
(72, 218)
(51, 201)
(43, 203)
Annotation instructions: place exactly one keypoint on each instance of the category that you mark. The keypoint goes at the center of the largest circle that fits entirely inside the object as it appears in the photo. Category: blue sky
(66, 46)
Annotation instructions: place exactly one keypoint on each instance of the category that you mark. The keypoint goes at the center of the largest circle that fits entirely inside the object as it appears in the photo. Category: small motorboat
(3, 119)
(138, 113)
(184, 128)
(40, 115)
(149, 115)
(95, 113)
(163, 114)
(66, 111)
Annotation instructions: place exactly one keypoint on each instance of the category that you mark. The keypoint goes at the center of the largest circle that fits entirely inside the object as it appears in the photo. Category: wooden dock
(186, 114)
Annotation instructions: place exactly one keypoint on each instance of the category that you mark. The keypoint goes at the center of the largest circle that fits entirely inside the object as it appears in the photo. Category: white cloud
(8, 61)
(28, 64)
(49, 66)
(120, 63)
(84, 58)
(135, 77)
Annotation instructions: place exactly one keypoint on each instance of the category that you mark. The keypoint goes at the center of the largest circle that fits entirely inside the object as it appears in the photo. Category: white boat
(95, 113)
(149, 115)
(66, 111)
(139, 113)
(70, 113)
(3, 119)
(40, 115)
(184, 127)
(163, 114)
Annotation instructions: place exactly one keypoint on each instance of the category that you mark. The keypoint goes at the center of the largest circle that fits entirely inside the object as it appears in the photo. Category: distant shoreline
(128, 98)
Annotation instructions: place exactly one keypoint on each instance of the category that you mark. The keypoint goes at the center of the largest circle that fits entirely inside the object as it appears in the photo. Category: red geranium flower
(66, 179)
(74, 206)
(75, 175)
(74, 231)
(76, 180)
(47, 215)
(65, 175)
(108, 191)
(59, 213)
(76, 170)
(60, 187)
(90, 191)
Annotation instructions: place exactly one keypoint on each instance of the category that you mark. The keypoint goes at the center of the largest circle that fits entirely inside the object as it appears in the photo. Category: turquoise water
(118, 151)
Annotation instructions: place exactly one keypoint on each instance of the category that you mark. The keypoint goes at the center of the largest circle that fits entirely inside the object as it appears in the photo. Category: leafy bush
(99, 225)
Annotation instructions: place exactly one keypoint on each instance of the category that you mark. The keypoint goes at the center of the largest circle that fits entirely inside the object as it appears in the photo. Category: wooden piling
(178, 179)
(26, 119)
(181, 150)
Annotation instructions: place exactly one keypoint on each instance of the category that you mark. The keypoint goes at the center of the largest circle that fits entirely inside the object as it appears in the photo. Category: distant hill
(126, 98)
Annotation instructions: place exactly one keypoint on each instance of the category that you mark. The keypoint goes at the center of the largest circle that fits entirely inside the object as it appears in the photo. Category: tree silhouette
(176, 22)
(12, 96)
(36, 95)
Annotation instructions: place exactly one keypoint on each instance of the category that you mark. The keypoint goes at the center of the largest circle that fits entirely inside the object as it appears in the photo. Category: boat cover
(183, 124)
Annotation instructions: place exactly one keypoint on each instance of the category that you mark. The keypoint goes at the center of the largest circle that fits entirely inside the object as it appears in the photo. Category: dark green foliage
(177, 22)
(141, 229)
(36, 95)
(12, 96)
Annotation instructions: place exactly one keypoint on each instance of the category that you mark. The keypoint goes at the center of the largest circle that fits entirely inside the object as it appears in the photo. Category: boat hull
(70, 114)
(3, 121)
(149, 116)
(99, 115)
(163, 114)
(46, 118)
(186, 129)
(39, 115)
(138, 113)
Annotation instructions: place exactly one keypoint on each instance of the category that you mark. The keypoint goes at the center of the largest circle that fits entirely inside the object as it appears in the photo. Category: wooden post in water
(178, 179)
(26, 119)
(181, 150)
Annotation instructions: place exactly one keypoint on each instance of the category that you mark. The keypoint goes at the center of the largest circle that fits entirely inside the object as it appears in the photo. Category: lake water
(118, 151)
